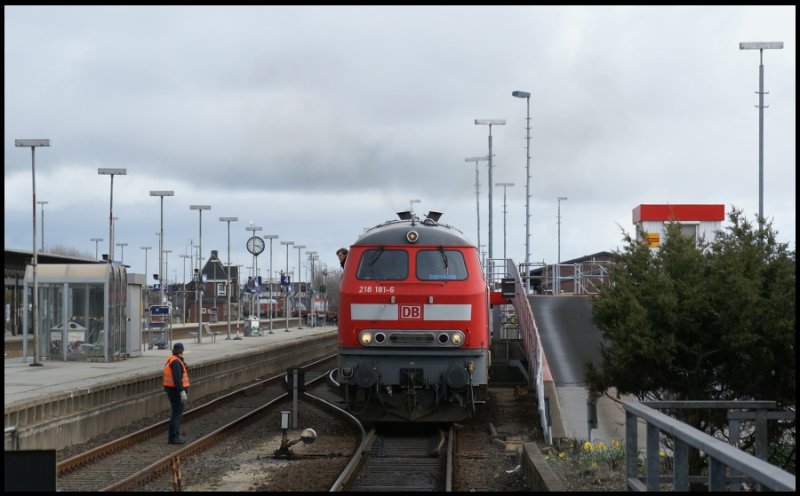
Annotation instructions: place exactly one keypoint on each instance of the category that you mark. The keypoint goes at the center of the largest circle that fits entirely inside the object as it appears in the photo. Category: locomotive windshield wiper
(444, 259)
(376, 257)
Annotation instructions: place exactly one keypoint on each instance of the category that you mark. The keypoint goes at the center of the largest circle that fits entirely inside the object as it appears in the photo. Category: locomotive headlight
(365, 337)
(412, 236)
(457, 338)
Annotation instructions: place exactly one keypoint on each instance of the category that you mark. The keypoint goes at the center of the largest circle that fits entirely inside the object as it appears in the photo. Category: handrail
(721, 455)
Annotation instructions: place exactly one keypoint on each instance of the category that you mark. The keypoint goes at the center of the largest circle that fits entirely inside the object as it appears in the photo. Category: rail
(721, 455)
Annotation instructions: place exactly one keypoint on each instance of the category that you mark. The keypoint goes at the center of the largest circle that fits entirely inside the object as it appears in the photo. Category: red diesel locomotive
(414, 331)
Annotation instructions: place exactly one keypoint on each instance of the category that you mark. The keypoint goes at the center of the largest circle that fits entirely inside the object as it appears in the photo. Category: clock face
(255, 245)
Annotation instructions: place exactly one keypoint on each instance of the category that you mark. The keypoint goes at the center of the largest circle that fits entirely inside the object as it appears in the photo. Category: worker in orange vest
(176, 383)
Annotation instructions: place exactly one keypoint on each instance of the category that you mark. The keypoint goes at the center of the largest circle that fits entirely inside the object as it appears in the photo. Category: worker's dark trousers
(177, 412)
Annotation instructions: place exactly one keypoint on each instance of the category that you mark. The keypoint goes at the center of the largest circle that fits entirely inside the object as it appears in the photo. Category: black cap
(177, 346)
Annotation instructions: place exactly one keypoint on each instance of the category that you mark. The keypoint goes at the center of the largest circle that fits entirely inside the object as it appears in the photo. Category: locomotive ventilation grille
(425, 339)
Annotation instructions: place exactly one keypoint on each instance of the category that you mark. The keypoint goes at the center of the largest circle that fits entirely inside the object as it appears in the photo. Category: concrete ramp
(569, 337)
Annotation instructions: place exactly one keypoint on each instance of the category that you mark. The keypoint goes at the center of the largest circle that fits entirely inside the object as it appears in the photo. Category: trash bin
(157, 336)
(252, 327)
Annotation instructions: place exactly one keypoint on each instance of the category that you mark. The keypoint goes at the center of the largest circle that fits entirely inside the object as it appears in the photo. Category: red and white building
(696, 220)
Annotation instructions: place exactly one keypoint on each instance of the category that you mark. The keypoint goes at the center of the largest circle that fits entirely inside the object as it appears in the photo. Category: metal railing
(721, 455)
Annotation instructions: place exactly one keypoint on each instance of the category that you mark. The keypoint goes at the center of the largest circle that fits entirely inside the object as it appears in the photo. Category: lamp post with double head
(228, 271)
(527, 96)
(198, 297)
(286, 293)
(161, 194)
(761, 46)
(297, 285)
(490, 123)
(477, 193)
(96, 241)
(104, 171)
(32, 144)
(505, 213)
(122, 252)
(272, 299)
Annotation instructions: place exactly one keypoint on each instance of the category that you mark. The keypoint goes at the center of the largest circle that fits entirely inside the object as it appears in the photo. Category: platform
(99, 396)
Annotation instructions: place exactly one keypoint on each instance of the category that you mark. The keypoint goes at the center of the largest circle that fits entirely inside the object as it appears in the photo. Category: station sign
(159, 309)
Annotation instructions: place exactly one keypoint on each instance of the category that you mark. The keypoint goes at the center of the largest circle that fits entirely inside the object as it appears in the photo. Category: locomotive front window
(441, 265)
(382, 264)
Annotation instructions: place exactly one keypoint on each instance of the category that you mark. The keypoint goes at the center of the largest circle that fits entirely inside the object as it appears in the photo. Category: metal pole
(272, 299)
(505, 213)
(299, 309)
(228, 282)
(42, 203)
(286, 297)
(198, 297)
(477, 194)
(761, 138)
(490, 192)
(558, 266)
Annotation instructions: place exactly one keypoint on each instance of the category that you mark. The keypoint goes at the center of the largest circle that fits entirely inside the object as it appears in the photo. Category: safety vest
(169, 381)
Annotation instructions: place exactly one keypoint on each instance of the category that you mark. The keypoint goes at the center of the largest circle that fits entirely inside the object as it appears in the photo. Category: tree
(705, 321)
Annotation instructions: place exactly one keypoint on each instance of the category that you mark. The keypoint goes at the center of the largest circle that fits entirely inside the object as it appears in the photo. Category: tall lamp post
(96, 241)
(122, 252)
(490, 123)
(42, 203)
(558, 266)
(299, 308)
(286, 298)
(311, 312)
(199, 298)
(477, 193)
(166, 274)
(505, 212)
(761, 46)
(413, 201)
(183, 308)
(228, 271)
(161, 194)
(272, 301)
(527, 96)
(33, 143)
(111, 172)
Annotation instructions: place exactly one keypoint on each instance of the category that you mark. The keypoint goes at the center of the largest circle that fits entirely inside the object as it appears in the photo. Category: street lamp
(490, 123)
(299, 309)
(112, 173)
(161, 194)
(413, 201)
(312, 315)
(286, 298)
(558, 266)
(33, 143)
(257, 295)
(96, 241)
(122, 252)
(228, 283)
(505, 211)
(270, 237)
(183, 308)
(761, 46)
(477, 193)
(527, 96)
(200, 209)
(42, 203)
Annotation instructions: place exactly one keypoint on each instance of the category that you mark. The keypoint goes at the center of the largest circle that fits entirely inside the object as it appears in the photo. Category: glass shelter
(82, 311)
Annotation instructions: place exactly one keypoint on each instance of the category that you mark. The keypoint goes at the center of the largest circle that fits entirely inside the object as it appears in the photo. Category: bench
(207, 332)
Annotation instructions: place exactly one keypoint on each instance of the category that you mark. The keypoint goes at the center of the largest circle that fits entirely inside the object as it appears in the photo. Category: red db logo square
(413, 312)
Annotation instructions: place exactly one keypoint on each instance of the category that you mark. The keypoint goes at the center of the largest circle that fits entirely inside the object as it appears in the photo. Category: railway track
(139, 459)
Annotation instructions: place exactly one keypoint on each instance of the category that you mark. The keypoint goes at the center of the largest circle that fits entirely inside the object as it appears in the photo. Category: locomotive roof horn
(434, 216)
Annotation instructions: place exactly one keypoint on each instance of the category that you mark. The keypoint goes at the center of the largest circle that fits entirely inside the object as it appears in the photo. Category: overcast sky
(315, 122)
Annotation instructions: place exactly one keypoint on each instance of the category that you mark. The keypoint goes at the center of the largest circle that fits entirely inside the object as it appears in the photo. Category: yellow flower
(616, 444)
(661, 453)
(599, 445)
(587, 446)
(562, 454)
(594, 465)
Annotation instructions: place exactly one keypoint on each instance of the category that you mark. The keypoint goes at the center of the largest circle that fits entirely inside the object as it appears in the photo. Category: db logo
(410, 311)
